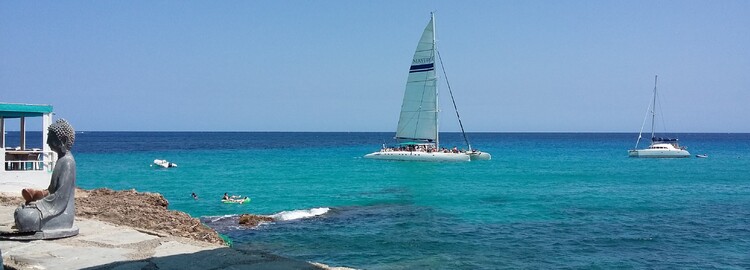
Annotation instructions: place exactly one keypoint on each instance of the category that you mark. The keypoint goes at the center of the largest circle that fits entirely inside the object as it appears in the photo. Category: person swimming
(195, 196)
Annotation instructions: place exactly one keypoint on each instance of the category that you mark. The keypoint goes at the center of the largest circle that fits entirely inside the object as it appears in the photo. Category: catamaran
(417, 131)
(660, 147)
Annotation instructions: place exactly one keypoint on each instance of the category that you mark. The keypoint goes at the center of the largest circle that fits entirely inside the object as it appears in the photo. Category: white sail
(419, 111)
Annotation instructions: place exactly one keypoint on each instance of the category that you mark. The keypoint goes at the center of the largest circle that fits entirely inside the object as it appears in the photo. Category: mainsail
(419, 111)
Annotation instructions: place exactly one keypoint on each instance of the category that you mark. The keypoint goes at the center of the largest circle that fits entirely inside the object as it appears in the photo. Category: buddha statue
(49, 213)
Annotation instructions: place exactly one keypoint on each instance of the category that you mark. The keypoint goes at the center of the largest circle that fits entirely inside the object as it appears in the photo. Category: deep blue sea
(545, 200)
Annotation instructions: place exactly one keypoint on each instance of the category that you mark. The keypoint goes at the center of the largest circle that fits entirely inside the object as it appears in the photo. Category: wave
(219, 218)
(299, 214)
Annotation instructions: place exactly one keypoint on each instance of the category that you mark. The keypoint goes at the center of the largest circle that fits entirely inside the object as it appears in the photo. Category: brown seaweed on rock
(141, 210)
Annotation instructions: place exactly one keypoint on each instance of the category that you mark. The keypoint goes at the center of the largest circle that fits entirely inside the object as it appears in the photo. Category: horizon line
(277, 131)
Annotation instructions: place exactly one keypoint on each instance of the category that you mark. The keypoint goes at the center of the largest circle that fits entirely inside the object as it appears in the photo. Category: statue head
(61, 135)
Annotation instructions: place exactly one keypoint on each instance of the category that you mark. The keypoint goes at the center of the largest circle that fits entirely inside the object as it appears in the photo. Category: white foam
(299, 214)
(217, 218)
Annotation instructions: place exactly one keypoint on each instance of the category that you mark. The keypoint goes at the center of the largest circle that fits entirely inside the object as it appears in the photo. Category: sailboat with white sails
(660, 147)
(417, 132)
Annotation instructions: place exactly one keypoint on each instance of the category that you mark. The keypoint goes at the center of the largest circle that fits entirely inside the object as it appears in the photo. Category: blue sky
(514, 66)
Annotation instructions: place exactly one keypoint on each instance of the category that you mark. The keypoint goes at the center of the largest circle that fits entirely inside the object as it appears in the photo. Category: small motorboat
(701, 156)
(163, 163)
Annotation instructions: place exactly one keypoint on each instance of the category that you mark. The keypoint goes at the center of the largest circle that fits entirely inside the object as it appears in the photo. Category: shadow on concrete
(220, 258)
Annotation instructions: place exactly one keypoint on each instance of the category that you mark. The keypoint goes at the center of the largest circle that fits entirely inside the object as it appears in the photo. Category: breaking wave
(229, 223)
(299, 214)
(219, 218)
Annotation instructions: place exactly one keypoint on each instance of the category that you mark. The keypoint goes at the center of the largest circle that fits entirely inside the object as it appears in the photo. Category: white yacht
(660, 147)
(417, 132)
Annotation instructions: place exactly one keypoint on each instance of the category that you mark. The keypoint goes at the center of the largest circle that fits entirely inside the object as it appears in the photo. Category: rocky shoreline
(140, 210)
(147, 212)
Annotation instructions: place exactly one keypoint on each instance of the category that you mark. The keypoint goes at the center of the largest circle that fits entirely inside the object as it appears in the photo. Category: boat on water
(163, 163)
(417, 132)
(701, 156)
(660, 147)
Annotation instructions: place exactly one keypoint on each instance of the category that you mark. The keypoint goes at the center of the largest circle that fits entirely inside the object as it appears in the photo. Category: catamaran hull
(479, 155)
(419, 156)
(657, 153)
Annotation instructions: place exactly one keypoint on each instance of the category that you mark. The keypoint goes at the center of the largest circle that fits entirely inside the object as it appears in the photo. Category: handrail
(22, 160)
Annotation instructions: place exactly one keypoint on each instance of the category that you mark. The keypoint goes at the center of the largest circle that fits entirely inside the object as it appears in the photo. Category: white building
(25, 167)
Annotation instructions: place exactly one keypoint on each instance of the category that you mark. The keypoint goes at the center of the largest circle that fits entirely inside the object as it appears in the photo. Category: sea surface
(545, 200)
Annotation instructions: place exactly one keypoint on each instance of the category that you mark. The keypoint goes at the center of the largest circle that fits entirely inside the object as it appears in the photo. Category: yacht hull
(659, 153)
(419, 156)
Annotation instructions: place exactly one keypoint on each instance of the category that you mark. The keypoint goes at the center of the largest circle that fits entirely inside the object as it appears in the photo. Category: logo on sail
(422, 64)
(423, 60)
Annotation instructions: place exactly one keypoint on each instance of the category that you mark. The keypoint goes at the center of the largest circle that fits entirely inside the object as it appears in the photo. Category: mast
(653, 109)
(437, 102)
(455, 108)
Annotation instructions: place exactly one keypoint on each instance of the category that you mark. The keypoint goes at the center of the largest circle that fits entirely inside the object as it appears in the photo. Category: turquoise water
(545, 200)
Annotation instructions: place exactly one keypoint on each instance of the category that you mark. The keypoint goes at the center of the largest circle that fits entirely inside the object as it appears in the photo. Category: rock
(142, 210)
(253, 220)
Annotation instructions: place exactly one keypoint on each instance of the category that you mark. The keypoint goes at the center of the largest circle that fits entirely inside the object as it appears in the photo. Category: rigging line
(663, 122)
(642, 125)
(454, 100)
